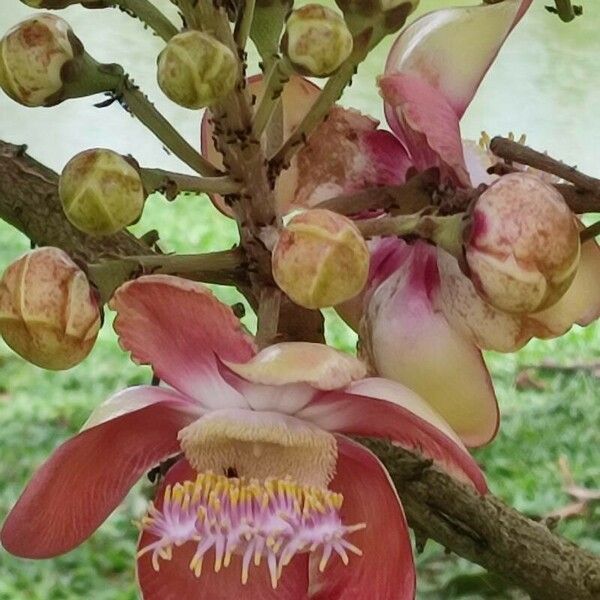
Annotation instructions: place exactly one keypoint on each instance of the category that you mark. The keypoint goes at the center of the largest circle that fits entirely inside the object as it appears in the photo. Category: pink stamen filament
(274, 520)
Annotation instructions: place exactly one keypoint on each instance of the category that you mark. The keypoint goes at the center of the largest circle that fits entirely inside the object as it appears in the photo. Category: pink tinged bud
(48, 313)
(320, 259)
(101, 192)
(523, 247)
(316, 40)
(195, 70)
(406, 338)
(32, 56)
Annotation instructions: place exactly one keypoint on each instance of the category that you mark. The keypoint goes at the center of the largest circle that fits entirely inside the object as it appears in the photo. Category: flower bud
(48, 313)
(316, 40)
(32, 56)
(320, 259)
(195, 70)
(101, 192)
(523, 244)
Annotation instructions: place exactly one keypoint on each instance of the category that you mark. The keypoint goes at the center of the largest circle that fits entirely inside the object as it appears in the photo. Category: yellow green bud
(32, 56)
(316, 40)
(48, 312)
(320, 259)
(101, 192)
(195, 70)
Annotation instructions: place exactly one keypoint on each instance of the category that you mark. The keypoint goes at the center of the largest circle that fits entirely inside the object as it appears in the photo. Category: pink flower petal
(298, 96)
(581, 302)
(451, 49)
(180, 328)
(347, 153)
(386, 570)
(422, 118)
(382, 408)
(175, 580)
(87, 477)
(468, 313)
(408, 341)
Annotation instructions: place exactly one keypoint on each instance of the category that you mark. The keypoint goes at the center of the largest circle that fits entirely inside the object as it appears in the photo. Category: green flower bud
(48, 313)
(195, 70)
(32, 56)
(316, 40)
(320, 259)
(101, 192)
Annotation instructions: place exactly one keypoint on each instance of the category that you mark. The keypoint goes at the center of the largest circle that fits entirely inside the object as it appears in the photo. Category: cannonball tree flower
(48, 312)
(522, 247)
(270, 492)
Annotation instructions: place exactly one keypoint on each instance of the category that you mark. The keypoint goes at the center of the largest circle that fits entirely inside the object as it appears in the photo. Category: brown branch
(483, 530)
(512, 151)
(487, 532)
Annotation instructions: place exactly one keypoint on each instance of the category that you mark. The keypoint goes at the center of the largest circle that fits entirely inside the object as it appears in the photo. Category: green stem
(224, 267)
(171, 184)
(147, 113)
(566, 11)
(146, 12)
(277, 76)
(446, 231)
(244, 23)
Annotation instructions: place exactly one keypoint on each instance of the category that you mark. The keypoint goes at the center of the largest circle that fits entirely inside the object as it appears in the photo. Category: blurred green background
(545, 84)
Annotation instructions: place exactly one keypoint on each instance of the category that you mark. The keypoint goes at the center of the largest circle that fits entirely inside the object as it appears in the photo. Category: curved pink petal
(385, 409)
(87, 477)
(385, 571)
(451, 49)
(581, 302)
(180, 328)
(347, 153)
(175, 580)
(297, 99)
(424, 120)
(407, 340)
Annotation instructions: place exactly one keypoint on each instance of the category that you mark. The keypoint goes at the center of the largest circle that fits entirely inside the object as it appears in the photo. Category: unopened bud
(32, 56)
(101, 192)
(195, 70)
(48, 313)
(523, 244)
(320, 259)
(42, 63)
(316, 40)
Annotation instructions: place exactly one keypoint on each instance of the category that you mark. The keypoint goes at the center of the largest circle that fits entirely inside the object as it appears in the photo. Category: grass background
(39, 410)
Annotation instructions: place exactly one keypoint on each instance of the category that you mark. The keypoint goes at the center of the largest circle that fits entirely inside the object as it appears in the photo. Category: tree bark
(481, 529)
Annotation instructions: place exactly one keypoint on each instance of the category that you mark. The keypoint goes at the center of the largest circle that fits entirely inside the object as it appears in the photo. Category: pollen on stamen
(274, 520)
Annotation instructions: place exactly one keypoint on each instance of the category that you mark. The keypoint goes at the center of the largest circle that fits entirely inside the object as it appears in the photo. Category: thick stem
(269, 305)
(145, 11)
(487, 532)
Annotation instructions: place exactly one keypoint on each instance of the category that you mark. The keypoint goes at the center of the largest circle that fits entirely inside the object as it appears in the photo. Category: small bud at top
(523, 244)
(195, 70)
(320, 259)
(48, 313)
(316, 40)
(32, 55)
(101, 192)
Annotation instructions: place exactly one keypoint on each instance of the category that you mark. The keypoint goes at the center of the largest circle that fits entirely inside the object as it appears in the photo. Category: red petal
(426, 123)
(88, 476)
(385, 409)
(175, 580)
(386, 570)
(179, 327)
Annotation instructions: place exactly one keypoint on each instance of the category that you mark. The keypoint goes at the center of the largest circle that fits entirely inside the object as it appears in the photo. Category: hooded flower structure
(423, 320)
(269, 490)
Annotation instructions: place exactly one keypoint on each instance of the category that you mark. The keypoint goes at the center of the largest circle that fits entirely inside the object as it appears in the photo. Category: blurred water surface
(546, 83)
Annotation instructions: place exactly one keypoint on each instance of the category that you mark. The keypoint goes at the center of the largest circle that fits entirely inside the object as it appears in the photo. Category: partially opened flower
(270, 490)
